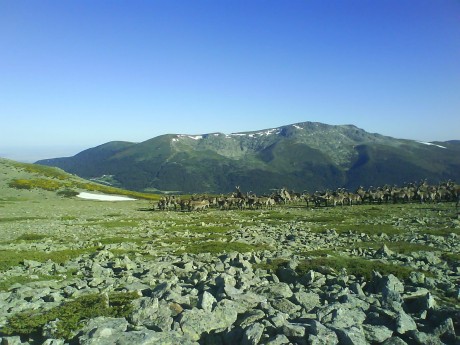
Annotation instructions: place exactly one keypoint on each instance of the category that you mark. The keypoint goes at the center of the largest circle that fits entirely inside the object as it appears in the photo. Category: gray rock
(417, 277)
(420, 303)
(357, 289)
(308, 278)
(194, 322)
(247, 300)
(144, 312)
(14, 340)
(405, 323)
(225, 279)
(351, 336)
(383, 252)
(307, 300)
(224, 315)
(394, 341)
(294, 330)
(278, 319)
(54, 342)
(340, 316)
(275, 290)
(279, 339)
(320, 334)
(252, 334)
(250, 317)
(285, 306)
(206, 301)
(162, 319)
(422, 338)
(287, 275)
(376, 333)
(391, 283)
(446, 329)
(100, 328)
(145, 337)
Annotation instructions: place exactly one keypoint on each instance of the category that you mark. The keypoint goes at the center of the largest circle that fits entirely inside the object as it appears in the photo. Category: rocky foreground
(264, 296)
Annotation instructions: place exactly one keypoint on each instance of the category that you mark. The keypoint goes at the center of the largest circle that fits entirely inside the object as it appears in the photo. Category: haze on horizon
(77, 74)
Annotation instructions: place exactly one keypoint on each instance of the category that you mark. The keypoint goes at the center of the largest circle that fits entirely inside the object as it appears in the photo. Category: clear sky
(75, 74)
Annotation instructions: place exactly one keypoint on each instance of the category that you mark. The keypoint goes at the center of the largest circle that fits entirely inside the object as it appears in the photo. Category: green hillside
(19, 179)
(302, 156)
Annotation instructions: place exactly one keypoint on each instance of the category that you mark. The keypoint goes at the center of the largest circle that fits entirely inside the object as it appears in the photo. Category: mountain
(302, 156)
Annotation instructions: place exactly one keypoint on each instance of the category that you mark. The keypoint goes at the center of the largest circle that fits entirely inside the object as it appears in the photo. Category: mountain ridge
(305, 155)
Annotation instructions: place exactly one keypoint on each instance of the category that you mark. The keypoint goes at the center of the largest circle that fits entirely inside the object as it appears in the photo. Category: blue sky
(76, 74)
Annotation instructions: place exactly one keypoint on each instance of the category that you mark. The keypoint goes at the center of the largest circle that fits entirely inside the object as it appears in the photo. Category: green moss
(118, 224)
(215, 247)
(5, 284)
(68, 218)
(11, 258)
(119, 239)
(67, 193)
(355, 266)
(31, 237)
(18, 219)
(453, 258)
(70, 315)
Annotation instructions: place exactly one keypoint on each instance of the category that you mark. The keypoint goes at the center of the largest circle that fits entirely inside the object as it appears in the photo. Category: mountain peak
(304, 155)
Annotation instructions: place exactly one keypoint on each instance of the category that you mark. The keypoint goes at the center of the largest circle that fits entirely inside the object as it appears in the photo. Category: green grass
(11, 258)
(65, 218)
(31, 237)
(216, 247)
(355, 266)
(5, 284)
(71, 314)
(119, 239)
(112, 223)
(199, 229)
(453, 258)
(18, 219)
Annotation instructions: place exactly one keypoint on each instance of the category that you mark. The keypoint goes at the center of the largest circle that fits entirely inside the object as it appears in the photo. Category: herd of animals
(410, 192)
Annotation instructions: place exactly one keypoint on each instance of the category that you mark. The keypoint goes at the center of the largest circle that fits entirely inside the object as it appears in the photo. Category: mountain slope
(301, 156)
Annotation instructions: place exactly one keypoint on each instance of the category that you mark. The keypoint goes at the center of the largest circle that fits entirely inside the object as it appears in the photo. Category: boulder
(252, 334)
(376, 333)
(351, 336)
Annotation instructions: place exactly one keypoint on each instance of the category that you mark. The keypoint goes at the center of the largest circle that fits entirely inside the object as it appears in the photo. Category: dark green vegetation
(356, 266)
(71, 314)
(11, 258)
(305, 156)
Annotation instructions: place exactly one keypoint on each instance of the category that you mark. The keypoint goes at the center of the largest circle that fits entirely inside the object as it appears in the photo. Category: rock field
(371, 274)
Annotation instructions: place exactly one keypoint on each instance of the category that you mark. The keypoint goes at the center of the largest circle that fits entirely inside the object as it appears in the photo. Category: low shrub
(70, 315)
(67, 193)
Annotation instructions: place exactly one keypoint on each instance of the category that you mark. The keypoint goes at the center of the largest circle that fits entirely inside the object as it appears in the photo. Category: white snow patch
(298, 127)
(253, 134)
(195, 137)
(92, 196)
(175, 139)
(431, 144)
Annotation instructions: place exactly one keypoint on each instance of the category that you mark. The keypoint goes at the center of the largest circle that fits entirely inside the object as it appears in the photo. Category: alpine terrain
(302, 156)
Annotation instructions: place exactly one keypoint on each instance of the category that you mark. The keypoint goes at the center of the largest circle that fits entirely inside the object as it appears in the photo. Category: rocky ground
(373, 274)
